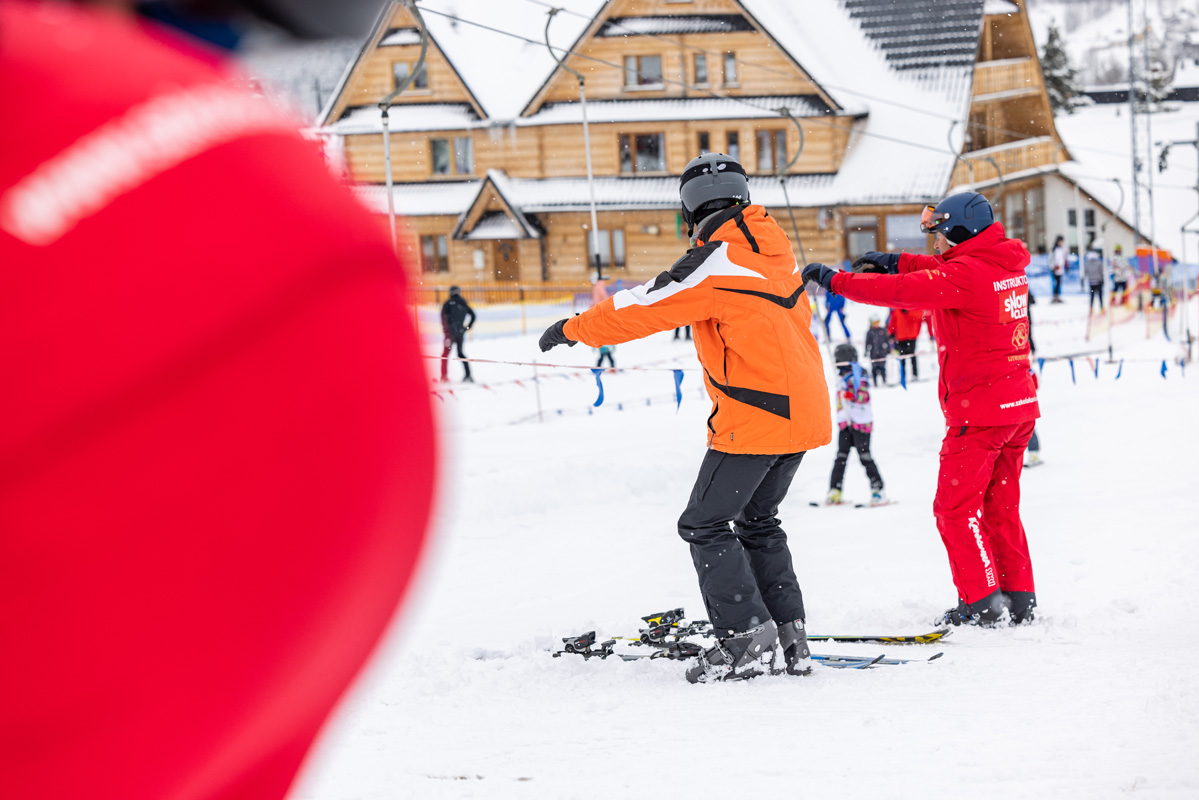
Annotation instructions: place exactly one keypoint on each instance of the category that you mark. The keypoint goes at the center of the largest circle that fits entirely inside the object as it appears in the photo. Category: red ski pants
(978, 509)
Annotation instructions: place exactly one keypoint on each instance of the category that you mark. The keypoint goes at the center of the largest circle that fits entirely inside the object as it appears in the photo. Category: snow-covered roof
(1000, 7)
(495, 225)
(504, 69)
(400, 36)
(673, 25)
(406, 117)
(691, 108)
(1098, 139)
(459, 116)
(536, 196)
(419, 199)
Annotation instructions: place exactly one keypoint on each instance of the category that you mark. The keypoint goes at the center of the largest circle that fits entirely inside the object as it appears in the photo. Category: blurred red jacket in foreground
(216, 451)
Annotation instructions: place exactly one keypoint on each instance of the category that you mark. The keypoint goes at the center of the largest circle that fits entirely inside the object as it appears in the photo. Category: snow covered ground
(555, 528)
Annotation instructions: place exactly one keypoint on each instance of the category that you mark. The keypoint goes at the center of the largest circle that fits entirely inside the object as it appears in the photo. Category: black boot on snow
(747, 654)
(793, 641)
(984, 613)
(1020, 606)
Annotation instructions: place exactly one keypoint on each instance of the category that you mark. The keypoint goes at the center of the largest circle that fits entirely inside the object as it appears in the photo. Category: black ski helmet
(960, 217)
(713, 178)
(845, 354)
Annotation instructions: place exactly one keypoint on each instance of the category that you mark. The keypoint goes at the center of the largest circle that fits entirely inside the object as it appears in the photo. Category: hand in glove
(877, 262)
(554, 336)
(818, 273)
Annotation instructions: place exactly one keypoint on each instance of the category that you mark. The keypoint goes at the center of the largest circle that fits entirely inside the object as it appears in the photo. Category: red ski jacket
(979, 297)
(905, 324)
(216, 447)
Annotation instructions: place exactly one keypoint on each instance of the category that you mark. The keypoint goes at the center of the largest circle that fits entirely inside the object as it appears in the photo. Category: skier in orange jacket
(739, 287)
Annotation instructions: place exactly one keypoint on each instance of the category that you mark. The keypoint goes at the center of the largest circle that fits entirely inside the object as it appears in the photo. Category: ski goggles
(930, 219)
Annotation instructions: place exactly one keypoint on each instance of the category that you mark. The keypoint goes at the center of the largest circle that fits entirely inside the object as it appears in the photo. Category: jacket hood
(745, 226)
(993, 246)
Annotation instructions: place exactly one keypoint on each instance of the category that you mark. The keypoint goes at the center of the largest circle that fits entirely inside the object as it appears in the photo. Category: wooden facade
(1009, 130)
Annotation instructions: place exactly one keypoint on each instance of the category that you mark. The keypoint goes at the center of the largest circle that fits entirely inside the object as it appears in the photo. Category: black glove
(877, 262)
(554, 336)
(818, 273)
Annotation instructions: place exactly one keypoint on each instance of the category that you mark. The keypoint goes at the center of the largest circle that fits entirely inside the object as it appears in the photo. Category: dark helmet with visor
(711, 182)
(959, 217)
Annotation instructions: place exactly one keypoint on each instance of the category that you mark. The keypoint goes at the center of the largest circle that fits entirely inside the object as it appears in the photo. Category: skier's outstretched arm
(680, 296)
(923, 288)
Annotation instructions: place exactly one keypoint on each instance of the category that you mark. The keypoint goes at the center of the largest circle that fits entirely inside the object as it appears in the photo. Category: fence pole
(524, 322)
(537, 391)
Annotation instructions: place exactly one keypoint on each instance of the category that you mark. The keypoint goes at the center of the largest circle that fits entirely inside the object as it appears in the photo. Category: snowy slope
(556, 528)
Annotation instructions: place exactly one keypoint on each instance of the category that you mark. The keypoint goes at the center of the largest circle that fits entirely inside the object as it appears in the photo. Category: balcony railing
(1010, 75)
(980, 165)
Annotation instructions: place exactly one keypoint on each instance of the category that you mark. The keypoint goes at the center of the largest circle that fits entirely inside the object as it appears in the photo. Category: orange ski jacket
(740, 290)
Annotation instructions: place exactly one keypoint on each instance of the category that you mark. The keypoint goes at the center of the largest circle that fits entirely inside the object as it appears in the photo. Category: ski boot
(878, 497)
(738, 656)
(793, 641)
(1020, 606)
(984, 613)
(834, 497)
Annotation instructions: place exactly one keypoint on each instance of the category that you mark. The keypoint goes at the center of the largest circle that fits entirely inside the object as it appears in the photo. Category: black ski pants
(907, 352)
(745, 572)
(860, 441)
(878, 372)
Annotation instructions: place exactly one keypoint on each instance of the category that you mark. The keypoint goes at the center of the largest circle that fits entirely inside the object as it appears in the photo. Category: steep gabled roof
(507, 219)
(383, 34)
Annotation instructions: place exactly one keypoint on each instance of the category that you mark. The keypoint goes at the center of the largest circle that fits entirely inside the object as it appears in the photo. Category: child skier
(878, 347)
(855, 419)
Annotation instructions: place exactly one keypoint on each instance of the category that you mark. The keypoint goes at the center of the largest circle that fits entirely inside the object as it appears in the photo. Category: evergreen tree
(1061, 79)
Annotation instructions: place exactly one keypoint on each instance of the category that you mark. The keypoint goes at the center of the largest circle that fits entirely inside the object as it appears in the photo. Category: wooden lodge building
(899, 102)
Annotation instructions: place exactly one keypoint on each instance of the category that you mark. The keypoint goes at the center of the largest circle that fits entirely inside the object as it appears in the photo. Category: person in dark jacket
(978, 292)
(878, 347)
(454, 324)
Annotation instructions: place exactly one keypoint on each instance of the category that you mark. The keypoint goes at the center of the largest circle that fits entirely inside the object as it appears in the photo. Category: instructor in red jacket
(978, 293)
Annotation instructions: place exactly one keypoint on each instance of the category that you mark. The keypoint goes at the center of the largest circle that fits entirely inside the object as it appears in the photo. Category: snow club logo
(1016, 306)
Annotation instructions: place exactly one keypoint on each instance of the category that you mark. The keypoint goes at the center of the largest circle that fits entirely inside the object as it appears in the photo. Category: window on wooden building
(401, 69)
(610, 244)
(904, 234)
(730, 69)
(772, 150)
(861, 234)
(642, 72)
(733, 142)
(452, 156)
(1034, 204)
(1014, 219)
(642, 152)
(434, 254)
(705, 143)
(700, 61)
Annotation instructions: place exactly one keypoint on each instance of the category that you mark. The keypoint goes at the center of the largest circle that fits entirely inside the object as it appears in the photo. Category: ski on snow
(670, 635)
(815, 504)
